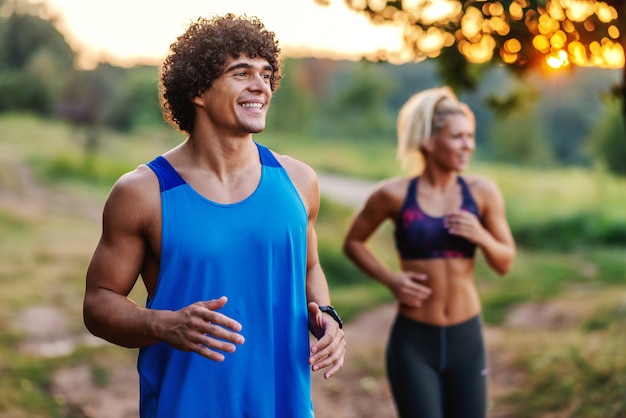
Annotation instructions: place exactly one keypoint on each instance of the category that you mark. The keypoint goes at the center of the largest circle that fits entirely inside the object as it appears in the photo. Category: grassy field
(47, 234)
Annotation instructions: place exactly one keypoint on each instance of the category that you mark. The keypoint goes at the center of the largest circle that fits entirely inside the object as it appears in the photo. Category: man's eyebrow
(247, 66)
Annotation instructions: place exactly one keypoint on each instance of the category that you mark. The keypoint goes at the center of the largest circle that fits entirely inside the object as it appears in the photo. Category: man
(221, 231)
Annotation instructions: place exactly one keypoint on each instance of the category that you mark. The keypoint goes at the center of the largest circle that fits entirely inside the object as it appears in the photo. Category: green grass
(44, 254)
(543, 275)
(578, 374)
(368, 159)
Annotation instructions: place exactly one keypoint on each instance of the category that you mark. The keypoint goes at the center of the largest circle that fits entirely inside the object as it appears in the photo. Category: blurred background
(79, 107)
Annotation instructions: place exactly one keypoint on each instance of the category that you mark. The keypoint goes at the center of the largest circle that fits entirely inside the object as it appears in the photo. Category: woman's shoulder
(387, 197)
(481, 183)
(484, 189)
(393, 187)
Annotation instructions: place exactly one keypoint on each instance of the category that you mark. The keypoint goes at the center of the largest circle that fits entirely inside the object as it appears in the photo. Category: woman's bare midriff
(454, 297)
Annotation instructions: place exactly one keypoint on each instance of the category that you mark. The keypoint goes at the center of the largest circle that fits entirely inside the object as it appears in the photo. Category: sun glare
(557, 60)
(439, 10)
(558, 31)
(578, 10)
(430, 11)
(559, 39)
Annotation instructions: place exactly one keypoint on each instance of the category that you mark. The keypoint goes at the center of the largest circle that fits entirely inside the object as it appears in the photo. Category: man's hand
(201, 329)
(330, 348)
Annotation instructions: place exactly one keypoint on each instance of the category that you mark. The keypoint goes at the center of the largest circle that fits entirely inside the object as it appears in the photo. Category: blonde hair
(422, 117)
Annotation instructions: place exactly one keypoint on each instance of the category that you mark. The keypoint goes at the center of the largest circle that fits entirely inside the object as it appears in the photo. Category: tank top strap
(464, 186)
(411, 198)
(468, 199)
(267, 157)
(167, 175)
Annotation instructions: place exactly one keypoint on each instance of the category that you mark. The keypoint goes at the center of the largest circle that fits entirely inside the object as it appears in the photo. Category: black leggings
(438, 372)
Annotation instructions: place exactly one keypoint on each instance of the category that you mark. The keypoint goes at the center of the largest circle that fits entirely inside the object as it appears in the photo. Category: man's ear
(198, 99)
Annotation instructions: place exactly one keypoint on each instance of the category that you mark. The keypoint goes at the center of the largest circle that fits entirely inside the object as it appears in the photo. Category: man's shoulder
(142, 175)
(139, 183)
(296, 167)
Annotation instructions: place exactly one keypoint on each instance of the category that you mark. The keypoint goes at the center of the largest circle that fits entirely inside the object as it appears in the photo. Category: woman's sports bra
(421, 236)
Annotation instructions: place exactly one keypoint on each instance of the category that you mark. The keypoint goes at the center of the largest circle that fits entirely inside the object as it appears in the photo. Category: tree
(609, 141)
(358, 108)
(133, 100)
(35, 61)
(469, 36)
(293, 106)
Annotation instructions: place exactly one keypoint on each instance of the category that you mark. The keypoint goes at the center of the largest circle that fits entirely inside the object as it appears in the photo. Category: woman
(436, 361)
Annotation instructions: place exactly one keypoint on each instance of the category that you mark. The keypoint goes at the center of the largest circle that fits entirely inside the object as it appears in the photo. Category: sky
(129, 31)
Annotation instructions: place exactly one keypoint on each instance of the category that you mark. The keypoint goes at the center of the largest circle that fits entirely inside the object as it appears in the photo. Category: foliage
(333, 99)
(293, 107)
(19, 91)
(35, 61)
(469, 37)
(38, 74)
(372, 160)
(360, 96)
(527, 35)
(574, 231)
(513, 140)
(325, 99)
(134, 101)
(609, 141)
(92, 170)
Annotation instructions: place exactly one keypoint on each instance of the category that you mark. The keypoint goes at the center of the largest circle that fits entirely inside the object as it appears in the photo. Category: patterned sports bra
(421, 236)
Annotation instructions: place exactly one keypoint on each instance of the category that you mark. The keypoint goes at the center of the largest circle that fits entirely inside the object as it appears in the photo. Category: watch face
(332, 312)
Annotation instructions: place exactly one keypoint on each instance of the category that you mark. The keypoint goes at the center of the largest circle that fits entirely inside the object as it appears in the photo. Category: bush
(609, 140)
(103, 172)
(574, 231)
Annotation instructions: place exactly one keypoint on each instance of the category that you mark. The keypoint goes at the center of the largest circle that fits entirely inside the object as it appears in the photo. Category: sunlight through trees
(467, 36)
(533, 33)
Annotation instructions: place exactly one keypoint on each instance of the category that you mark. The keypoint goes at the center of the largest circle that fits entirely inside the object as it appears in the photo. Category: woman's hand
(465, 224)
(408, 288)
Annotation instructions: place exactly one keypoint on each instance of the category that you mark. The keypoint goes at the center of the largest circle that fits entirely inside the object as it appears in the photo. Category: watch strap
(332, 312)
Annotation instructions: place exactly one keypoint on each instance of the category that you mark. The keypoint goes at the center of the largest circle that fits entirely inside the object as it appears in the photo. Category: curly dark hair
(198, 57)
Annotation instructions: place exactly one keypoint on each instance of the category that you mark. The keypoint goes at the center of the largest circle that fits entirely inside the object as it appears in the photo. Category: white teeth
(253, 105)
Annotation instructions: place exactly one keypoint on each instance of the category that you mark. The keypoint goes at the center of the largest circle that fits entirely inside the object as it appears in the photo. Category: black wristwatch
(332, 312)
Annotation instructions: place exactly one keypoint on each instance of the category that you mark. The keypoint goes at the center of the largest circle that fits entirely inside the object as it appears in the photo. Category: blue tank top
(420, 236)
(253, 252)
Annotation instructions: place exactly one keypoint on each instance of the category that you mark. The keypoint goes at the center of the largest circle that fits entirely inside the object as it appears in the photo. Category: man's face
(238, 99)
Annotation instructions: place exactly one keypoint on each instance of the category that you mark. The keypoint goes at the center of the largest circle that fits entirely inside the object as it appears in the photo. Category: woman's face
(454, 145)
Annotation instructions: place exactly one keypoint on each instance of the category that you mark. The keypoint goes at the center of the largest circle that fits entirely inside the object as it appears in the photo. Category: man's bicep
(114, 267)
(119, 255)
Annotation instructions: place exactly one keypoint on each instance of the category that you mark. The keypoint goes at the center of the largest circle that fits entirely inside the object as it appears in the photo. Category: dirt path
(345, 190)
(359, 390)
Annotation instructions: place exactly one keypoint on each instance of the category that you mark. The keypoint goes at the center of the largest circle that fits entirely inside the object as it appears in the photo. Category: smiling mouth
(252, 105)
